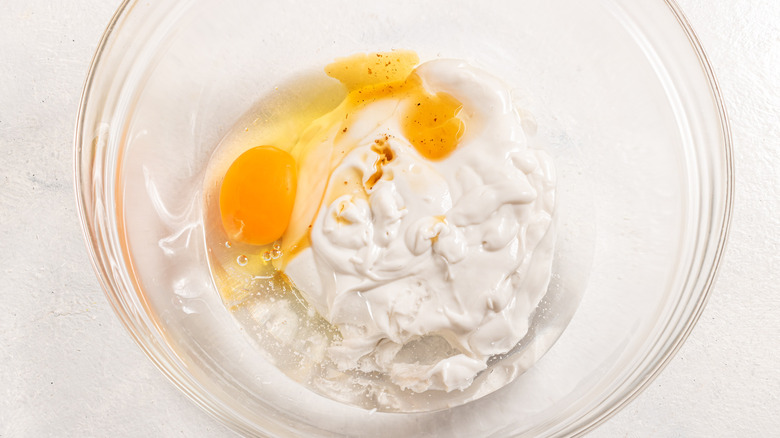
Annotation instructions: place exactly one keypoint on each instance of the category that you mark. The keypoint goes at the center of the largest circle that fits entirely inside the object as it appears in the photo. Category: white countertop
(68, 368)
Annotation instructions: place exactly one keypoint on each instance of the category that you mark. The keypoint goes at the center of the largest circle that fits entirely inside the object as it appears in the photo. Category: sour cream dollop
(428, 268)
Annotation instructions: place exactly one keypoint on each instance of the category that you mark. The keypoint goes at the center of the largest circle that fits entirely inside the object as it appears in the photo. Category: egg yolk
(429, 120)
(257, 195)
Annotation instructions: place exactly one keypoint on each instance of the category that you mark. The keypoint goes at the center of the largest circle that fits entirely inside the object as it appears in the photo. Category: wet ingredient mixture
(406, 232)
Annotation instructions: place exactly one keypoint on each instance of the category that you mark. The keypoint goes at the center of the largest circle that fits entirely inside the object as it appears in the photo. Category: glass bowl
(624, 100)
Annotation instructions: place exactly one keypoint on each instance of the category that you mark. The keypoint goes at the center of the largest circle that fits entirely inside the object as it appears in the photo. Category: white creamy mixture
(435, 267)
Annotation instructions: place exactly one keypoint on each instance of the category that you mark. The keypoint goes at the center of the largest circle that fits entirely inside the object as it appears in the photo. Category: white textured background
(68, 369)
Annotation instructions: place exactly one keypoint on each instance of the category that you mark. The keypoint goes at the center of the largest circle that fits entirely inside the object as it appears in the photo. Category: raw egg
(429, 121)
(257, 195)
